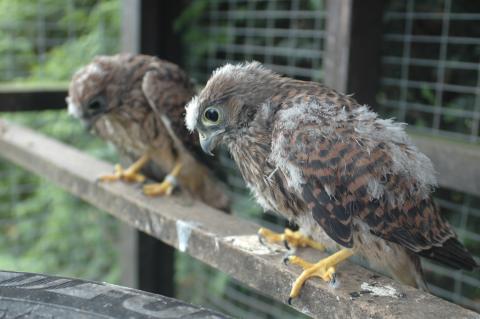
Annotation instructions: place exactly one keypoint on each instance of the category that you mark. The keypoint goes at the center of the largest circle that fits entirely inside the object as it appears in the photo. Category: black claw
(260, 239)
(289, 301)
(334, 279)
(286, 260)
(285, 242)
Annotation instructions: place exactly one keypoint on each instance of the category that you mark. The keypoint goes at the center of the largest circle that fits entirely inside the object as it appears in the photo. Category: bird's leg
(324, 269)
(167, 186)
(131, 174)
(289, 238)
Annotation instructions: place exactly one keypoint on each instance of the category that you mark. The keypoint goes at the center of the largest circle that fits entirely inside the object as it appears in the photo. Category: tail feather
(453, 254)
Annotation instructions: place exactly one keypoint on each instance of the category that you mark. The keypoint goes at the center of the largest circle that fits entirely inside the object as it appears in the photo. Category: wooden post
(32, 98)
(147, 28)
(352, 62)
(156, 29)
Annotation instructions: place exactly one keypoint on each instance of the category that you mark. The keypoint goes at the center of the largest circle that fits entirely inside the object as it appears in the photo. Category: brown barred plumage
(137, 103)
(320, 159)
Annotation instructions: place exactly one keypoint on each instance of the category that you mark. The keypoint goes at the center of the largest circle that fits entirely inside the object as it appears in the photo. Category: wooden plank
(457, 164)
(337, 52)
(27, 98)
(353, 47)
(130, 35)
(148, 27)
(222, 241)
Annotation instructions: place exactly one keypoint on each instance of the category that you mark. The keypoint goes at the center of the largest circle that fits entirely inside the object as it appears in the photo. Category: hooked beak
(208, 143)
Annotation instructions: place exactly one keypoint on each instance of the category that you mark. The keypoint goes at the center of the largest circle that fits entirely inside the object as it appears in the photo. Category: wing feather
(167, 89)
(347, 176)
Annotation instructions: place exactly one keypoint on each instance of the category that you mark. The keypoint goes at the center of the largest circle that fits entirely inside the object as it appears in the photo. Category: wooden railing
(219, 240)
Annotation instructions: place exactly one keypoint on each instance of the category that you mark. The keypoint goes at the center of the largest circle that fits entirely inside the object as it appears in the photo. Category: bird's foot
(167, 186)
(325, 269)
(130, 174)
(289, 238)
(126, 175)
(164, 188)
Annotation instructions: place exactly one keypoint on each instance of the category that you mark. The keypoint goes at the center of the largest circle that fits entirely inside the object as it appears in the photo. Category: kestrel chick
(317, 157)
(137, 103)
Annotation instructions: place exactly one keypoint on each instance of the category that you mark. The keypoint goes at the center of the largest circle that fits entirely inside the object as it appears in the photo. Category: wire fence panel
(287, 36)
(46, 230)
(48, 39)
(431, 69)
(431, 80)
(43, 228)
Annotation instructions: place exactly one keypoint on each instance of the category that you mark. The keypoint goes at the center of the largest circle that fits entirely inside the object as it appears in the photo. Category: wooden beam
(457, 164)
(364, 54)
(222, 241)
(353, 47)
(337, 52)
(28, 98)
(148, 28)
(130, 35)
(157, 36)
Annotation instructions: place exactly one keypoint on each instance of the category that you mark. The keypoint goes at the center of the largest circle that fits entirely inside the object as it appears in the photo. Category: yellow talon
(324, 269)
(166, 187)
(163, 188)
(130, 174)
(290, 238)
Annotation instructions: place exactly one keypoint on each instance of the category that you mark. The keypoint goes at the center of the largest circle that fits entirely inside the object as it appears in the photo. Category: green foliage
(191, 26)
(44, 229)
(85, 29)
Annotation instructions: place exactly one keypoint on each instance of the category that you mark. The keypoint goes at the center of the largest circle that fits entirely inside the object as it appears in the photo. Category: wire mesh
(430, 79)
(287, 36)
(46, 230)
(431, 70)
(43, 228)
(46, 39)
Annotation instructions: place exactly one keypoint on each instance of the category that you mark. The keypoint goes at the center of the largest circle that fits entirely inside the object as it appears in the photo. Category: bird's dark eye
(212, 115)
(95, 105)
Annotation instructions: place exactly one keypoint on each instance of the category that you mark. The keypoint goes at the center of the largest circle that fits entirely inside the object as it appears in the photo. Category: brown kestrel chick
(137, 103)
(348, 178)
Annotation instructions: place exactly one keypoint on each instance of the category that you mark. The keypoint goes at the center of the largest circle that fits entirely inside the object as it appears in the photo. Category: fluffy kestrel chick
(137, 103)
(317, 157)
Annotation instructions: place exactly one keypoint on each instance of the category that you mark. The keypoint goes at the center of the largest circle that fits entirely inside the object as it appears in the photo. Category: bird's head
(93, 90)
(223, 110)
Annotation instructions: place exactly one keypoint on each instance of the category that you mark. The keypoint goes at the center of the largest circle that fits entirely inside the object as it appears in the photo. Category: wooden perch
(222, 241)
(16, 98)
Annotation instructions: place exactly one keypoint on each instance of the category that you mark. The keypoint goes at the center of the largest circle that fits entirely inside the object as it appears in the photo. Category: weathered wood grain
(222, 241)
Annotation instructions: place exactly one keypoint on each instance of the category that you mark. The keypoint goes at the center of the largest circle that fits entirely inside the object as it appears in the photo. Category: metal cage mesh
(431, 70)
(430, 78)
(287, 36)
